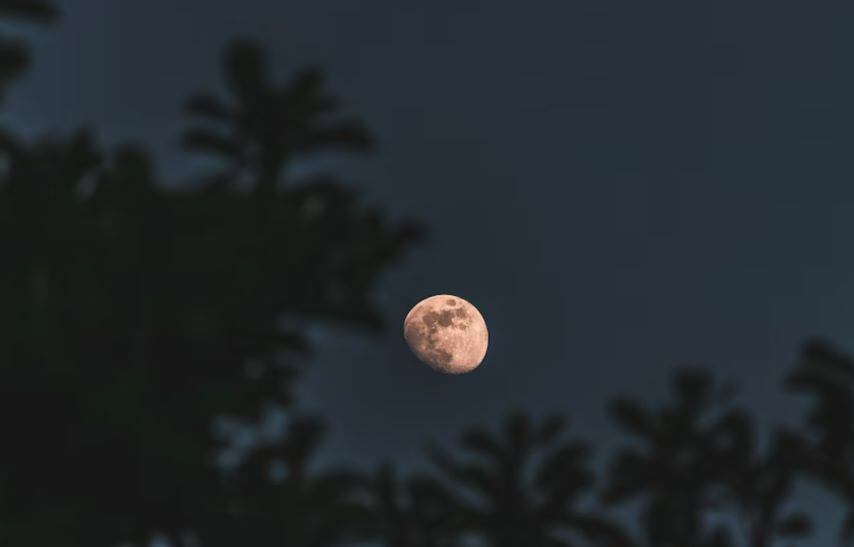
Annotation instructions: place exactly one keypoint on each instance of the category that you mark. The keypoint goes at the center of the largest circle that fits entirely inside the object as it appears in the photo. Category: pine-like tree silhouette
(675, 470)
(265, 126)
(134, 316)
(275, 498)
(523, 485)
(827, 374)
(699, 459)
(416, 512)
(756, 485)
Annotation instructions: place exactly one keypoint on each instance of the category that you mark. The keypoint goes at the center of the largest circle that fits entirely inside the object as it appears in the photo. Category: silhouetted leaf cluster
(146, 330)
(134, 317)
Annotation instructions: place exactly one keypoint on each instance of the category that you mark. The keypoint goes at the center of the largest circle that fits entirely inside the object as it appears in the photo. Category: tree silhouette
(145, 330)
(276, 499)
(676, 468)
(419, 512)
(697, 459)
(135, 316)
(522, 486)
(756, 486)
(265, 125)
(828, 375)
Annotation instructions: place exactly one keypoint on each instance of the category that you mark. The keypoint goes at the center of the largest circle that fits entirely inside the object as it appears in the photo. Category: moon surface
(447, 333)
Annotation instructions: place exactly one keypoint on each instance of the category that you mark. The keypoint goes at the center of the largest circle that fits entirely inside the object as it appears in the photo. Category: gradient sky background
(619, 186)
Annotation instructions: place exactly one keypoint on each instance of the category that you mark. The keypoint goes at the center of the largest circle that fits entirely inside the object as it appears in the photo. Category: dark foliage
(827, 451)
(420, 512)
(698, 459)
(140, 325)
(265, 126)
(134, 317)
(526, 483)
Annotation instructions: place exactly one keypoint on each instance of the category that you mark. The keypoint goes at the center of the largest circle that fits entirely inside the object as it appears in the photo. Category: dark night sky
(619, 186)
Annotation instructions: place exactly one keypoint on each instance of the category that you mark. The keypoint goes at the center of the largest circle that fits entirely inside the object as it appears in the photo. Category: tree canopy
(142, 324)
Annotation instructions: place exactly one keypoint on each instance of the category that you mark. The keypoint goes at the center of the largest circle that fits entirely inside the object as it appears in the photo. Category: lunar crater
(447, 333)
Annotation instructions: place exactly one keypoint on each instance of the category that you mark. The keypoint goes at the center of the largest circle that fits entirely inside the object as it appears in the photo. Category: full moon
(447, 333)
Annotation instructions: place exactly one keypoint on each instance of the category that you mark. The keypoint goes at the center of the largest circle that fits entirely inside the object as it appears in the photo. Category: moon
(447, 333)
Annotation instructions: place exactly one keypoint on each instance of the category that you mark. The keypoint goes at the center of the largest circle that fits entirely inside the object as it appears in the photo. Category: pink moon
(447, 333)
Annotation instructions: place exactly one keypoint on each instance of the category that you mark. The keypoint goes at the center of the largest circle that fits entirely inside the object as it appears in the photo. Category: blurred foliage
(698, 458)
(133, 316)
(141, 326)
(265, 126)
(827, 451)
(525, 483)
(415, 512)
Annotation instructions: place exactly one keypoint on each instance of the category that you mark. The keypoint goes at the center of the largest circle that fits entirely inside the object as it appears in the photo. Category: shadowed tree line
(145, 330)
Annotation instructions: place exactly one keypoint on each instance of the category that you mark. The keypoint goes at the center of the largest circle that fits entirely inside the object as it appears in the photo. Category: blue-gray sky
(619, 186)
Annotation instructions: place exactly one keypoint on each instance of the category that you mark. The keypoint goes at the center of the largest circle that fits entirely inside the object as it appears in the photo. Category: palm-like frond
(264, 126)
(522, 482)
(827, 452)
(418, 512)
(697, 455)
(828, 375)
